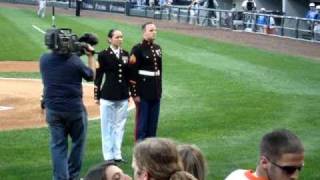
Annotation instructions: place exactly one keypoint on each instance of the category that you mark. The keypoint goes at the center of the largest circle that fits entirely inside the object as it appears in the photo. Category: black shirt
(116, 84)
(148, 57)
(62, 77)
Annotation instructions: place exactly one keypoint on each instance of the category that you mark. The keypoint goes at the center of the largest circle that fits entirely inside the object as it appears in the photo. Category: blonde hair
(193, 160)
(159, 157)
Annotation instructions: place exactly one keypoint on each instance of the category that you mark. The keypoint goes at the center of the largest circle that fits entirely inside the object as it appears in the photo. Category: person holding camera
(62, 72)
(112, 95)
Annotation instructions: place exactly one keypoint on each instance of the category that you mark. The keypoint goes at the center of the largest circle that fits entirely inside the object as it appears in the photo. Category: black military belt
(149, 73)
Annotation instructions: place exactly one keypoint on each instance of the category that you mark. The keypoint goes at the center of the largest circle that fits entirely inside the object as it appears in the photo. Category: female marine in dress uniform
(112, 95)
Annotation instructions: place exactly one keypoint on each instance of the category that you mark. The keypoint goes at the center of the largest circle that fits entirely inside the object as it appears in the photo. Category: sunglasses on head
(289, 170)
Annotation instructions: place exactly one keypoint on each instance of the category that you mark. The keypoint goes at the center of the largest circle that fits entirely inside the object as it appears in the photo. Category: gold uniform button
(120, 81)
(120, 75)
(120, 70)
(119, 65)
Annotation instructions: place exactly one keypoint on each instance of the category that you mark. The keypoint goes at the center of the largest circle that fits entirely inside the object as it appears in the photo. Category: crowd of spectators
(281, 157)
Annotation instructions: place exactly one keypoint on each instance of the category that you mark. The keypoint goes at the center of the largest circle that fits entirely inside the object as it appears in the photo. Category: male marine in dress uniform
(146, 60)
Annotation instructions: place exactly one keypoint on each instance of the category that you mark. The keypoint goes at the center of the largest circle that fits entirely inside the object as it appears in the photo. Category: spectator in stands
(262, 21)
(42, 8)
(152, 3)
(106, 171)
(271, 28)
(235, 17)
(193, 161)
(232, 10)
(141, 3)
(233, 7)
(209, 4)
(194, 12)
(311, 14)
(312, 11)
(281, 158)
(318, 12)
(249, 5)
(317, 24)
(163, 3)
(158, 158)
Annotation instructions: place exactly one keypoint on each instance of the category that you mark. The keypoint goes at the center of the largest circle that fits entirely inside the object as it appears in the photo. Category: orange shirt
(251, 176)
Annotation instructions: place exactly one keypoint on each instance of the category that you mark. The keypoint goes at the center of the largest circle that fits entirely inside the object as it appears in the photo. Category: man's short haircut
(278, 142)
(143, 27)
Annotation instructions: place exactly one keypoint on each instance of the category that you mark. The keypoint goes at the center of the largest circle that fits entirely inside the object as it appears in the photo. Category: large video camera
(63, 41)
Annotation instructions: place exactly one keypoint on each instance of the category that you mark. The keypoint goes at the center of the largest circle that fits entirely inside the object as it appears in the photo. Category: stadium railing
(276, 25)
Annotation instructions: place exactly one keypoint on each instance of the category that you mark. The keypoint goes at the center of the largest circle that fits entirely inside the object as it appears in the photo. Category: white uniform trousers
(113, 119)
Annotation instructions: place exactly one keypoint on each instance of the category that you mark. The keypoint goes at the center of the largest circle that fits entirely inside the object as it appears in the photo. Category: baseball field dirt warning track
(20, 98)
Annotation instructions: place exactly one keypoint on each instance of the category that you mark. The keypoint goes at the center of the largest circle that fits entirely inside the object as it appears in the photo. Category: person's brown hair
(193, 161)
(159, 157)
(98, 171)
(143, 27)
(276, 143)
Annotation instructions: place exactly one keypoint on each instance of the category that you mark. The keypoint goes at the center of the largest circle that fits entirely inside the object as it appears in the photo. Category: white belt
(149, 73)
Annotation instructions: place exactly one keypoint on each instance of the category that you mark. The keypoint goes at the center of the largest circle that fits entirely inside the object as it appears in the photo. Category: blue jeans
(148, 116)
(62, 124)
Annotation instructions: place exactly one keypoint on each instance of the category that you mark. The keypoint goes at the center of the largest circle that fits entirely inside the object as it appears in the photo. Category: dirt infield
(19, 66)
(20, 99)
(20, 103)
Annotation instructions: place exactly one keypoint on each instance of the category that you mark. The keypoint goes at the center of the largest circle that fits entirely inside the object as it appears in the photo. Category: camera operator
(62, 75)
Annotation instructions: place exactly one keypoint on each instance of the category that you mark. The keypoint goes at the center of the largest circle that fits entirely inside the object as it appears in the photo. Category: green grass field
(221, 97)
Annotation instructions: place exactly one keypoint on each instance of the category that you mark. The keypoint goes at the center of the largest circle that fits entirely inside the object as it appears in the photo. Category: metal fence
(275, 25)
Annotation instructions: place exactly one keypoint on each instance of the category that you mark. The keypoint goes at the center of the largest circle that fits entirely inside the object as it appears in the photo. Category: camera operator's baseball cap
(312, 5)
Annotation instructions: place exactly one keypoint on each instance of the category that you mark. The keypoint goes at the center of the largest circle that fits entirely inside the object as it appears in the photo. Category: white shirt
(241, 174)
(115, 51)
